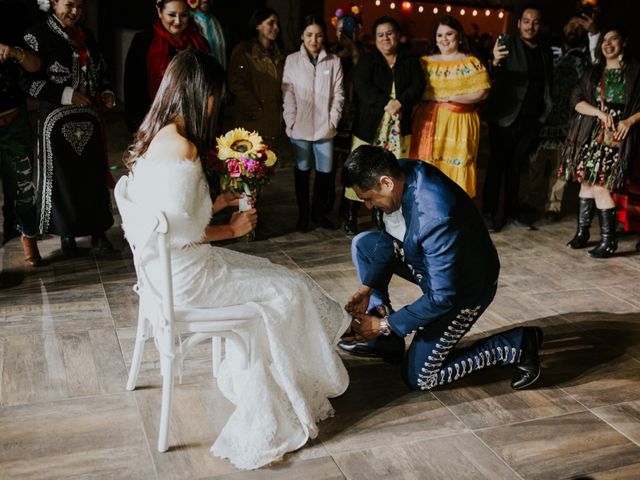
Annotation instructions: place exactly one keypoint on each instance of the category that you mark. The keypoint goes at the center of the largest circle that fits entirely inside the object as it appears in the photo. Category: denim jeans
(322, 152)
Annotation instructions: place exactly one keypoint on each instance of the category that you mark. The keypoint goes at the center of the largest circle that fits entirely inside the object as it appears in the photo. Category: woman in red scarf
(150, 54)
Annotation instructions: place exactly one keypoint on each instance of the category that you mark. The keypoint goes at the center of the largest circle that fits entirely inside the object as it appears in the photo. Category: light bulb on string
(474, 13)
(487, 12)
(377, 3)
(420, 9)
(406, 7)
(448, 8)
(462, 12)
(435, 10)
(392, 6)
(500, 14)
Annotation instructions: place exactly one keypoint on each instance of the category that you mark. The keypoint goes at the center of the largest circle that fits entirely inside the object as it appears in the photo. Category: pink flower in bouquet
(247, 162)
(251, 165)
(234, 168)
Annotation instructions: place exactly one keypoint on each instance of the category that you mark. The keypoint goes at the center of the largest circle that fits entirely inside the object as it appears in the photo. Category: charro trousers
(432, 358)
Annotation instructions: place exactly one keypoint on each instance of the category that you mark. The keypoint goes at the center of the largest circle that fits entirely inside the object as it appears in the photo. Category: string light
(392, 6)
(435, 10)
(448, 9)
(421, 9)
(406, 7)
(377, 3)
(474, 13)
(462, 12)
(501, 14)
(487, 12)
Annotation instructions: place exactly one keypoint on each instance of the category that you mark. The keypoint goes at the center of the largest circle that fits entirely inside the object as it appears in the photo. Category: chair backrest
(151, 230)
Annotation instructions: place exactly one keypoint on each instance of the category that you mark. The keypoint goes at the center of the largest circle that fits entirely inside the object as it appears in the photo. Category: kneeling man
(434, 237)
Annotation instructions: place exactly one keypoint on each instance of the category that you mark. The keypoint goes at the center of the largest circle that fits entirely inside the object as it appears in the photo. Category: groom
(434, 237)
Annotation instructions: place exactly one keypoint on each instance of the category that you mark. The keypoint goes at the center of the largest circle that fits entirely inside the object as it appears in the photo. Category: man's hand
(78, 99)
(366, 326)
(359, 301)
(500, 52)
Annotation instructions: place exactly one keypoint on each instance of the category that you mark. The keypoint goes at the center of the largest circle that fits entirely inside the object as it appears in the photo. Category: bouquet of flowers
(246, 163)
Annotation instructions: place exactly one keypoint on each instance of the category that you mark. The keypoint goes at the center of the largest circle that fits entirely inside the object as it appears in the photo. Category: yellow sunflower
(271, 158)
(238, 143)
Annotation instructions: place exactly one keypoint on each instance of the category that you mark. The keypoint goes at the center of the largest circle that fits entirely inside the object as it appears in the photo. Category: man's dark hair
(366, 164)
(531, 6)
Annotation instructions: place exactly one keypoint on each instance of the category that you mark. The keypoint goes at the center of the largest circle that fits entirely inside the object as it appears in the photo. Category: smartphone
(503, 39)
(586, 10)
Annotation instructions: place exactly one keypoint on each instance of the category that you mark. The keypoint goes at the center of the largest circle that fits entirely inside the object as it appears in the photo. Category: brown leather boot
(31, 254)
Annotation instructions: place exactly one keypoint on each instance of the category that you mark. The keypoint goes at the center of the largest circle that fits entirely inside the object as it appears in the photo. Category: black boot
(528, 368)
(321, 186)
(608, 243)
(586, 208)
(350, 225)
(302, 199)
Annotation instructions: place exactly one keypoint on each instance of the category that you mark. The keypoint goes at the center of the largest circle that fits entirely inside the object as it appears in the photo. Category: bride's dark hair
(191, 78)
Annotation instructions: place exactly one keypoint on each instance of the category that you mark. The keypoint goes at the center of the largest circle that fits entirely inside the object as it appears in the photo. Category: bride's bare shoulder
(169, 144)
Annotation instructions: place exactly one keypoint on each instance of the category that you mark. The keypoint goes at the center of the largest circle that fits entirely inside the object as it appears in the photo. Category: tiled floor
(67, 332)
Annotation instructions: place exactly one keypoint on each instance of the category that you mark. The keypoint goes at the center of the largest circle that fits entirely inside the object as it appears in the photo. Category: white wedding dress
(282, 395)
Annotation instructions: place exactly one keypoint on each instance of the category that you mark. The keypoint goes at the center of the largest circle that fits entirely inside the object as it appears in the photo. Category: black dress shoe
(520, 224)
(552, 216)
(528, 368)
(361, 348)
(68, 245)
(101, 245)
(490, 222)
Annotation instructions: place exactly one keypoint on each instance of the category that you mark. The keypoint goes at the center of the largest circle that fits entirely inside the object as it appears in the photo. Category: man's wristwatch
(385, 328)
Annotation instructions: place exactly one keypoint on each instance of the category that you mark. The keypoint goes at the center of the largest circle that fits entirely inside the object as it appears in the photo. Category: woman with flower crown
(72, 173)
(150, 53)
(295, 369)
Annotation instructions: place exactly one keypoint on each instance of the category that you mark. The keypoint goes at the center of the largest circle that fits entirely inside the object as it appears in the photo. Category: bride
(281, 396)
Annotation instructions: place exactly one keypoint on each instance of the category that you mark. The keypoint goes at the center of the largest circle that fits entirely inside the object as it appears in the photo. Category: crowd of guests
(325, 101)
(381, 103)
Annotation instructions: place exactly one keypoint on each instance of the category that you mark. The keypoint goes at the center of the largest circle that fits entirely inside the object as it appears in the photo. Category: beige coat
(255, 77)
(313, 97)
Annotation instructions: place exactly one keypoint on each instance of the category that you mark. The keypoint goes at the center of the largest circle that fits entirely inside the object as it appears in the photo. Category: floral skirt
(599, 164)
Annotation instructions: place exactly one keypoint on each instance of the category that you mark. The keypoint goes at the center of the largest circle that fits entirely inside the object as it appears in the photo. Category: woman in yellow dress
(446, 127)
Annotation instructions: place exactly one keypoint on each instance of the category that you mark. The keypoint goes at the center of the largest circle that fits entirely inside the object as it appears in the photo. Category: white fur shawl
(176, 187)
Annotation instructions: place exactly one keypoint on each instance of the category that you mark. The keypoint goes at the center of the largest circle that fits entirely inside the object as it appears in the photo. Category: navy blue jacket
(446, 247)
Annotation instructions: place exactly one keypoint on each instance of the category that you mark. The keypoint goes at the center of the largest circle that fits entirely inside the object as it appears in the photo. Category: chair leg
(216, 354)
(136, 361)
(165, 411)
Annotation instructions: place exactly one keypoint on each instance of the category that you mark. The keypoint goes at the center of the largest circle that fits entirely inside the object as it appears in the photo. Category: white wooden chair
(174, 329)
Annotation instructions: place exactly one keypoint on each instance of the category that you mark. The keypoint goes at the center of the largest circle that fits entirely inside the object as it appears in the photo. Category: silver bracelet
(385, 328)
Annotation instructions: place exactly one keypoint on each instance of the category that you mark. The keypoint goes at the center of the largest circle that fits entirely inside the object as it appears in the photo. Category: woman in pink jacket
(312, 100)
